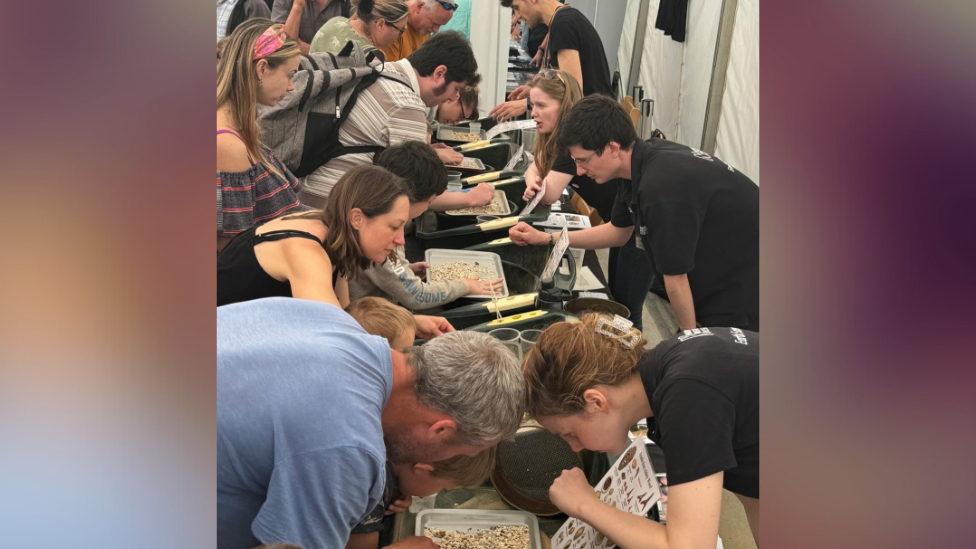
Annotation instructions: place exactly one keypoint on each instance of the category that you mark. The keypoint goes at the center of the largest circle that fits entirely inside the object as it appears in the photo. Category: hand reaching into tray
(482, 195)
(477, 286)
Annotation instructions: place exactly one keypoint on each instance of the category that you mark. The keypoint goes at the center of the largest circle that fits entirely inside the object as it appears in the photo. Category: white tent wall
(625, 51)
(489, 40)
(696, 74)
(660, 75)
(608, 19)
(737, 141)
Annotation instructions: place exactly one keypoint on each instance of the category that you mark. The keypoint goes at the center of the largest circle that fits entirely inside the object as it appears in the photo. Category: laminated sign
(559, 248)
(630, 486)
(509, 126)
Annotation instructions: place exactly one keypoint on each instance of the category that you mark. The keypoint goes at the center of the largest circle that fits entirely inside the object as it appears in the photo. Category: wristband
(550, 238)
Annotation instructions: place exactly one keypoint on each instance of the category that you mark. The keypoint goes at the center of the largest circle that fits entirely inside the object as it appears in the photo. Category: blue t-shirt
(300, 455)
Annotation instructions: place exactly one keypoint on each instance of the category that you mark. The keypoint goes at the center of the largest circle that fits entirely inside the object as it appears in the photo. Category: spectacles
(449, 6)
(464, 116)
(399, 29)
(583, 161)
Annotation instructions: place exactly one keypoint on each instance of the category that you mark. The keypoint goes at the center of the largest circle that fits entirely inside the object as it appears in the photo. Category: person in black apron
(696, 218)
(699, 392)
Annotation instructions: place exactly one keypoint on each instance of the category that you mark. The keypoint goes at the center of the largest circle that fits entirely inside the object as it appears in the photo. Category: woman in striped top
(256, 65)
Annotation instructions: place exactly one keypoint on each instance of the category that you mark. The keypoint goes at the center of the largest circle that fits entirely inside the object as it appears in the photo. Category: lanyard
(546, 58)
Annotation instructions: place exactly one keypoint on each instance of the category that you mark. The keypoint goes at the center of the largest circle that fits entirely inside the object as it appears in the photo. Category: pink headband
(270, 41)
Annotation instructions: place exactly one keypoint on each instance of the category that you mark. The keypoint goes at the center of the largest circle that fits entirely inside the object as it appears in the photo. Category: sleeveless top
(256, 195)
(240, 276)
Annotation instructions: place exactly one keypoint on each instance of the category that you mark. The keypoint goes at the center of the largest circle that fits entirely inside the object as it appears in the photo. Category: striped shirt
(249, 198)
(387, 113)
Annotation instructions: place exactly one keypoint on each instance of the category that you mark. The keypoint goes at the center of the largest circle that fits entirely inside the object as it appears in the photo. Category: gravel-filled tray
(459, 264)
(498, 206)
(479, 529)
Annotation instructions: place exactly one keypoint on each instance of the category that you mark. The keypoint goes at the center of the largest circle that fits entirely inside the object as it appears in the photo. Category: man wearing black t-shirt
(697, 217)
(573, 46)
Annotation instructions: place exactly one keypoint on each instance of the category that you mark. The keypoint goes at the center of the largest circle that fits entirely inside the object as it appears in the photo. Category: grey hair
(474, 379)
(430, 5)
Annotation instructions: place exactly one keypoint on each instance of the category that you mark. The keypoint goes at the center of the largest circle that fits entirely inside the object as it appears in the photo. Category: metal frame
(720, 66)
(635, 59)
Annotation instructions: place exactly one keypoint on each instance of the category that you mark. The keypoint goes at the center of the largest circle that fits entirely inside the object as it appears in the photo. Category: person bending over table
(310, 407)
(572, 45)
(697, 217)
(396, 278)
(699, 391)
(553, 94)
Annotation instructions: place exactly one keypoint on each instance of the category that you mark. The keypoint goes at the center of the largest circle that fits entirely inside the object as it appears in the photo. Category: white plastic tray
(440, 256)
(470, 521)
(446, 133)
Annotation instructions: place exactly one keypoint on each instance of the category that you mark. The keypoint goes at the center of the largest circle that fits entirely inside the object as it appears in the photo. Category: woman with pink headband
(255, 66)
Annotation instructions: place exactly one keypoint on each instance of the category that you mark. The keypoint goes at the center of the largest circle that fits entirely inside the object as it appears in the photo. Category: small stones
(493, 208)
(468, 137)
(496, 537)
(460, 270)
(468, 164)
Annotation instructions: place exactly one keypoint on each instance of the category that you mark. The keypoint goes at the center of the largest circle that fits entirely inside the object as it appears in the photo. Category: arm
(693, 514)
(398, 281)
(679, 293)
(569, 61)
(456, 200)
(309, 270)
(447, 155)
(293, 23)
(341, 291)
(302, 504)
(605, 236)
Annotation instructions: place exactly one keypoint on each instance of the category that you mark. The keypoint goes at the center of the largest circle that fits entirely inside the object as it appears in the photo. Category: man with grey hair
(309, 405)
(423, 18)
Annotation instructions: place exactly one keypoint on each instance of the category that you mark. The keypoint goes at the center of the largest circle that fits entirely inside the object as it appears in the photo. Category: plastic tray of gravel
(479, 529)
(499, 206)
(458, 134)
(457, 264)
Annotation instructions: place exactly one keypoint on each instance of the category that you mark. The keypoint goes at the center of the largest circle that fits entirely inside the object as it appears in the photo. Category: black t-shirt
(571, 30)
(597, 196)
(703, 386)
(697, 216)
(536, 35)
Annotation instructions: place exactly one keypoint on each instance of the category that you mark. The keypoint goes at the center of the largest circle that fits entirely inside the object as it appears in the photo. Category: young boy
(403, 481)
(380, 317)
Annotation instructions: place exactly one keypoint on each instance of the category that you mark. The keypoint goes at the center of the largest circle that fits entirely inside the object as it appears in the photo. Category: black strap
(274, 236)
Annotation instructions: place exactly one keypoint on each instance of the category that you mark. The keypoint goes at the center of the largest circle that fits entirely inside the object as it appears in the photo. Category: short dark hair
(506, 3)
(451, 49)
(593, 123)
(419, 165)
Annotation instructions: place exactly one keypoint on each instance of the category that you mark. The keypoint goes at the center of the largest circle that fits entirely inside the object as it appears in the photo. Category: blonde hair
(562, 87)
(467, 471)
(568, 359)
(390, 11)
(237, 81)
(380, 317)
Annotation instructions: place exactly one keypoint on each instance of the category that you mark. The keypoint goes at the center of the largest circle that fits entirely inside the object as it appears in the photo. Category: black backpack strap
(361, 149)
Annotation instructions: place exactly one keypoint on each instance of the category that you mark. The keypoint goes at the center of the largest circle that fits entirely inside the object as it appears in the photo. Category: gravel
(496, 537)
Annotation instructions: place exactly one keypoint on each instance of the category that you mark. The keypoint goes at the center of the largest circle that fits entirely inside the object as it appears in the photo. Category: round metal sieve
(527, 467)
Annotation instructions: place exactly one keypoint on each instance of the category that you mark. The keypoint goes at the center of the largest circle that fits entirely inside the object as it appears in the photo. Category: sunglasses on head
(449, 6)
